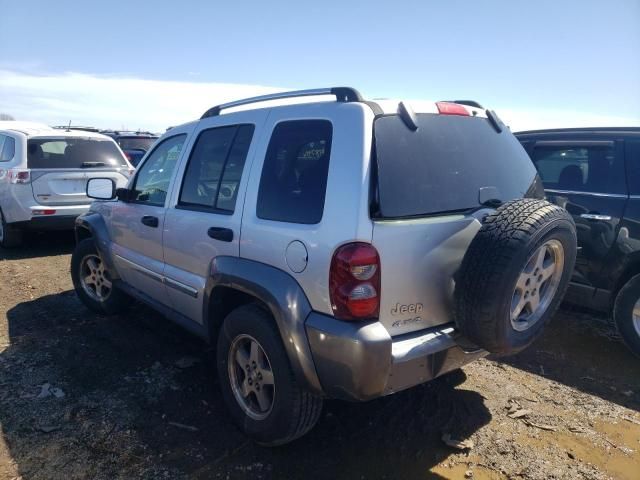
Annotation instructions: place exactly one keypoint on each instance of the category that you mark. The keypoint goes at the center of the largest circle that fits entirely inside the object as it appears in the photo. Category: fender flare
(94, 222)
(285, 300)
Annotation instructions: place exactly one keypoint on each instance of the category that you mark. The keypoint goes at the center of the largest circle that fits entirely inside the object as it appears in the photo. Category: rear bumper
(50, 222)
(361, 362)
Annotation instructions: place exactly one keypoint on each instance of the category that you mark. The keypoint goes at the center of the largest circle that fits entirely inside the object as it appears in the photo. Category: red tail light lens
(19, 176)
(448, 108)
(354, 282)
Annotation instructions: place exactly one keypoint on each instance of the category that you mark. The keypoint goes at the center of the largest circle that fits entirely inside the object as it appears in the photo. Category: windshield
(73, 152)
(136, 143)
(443, 165)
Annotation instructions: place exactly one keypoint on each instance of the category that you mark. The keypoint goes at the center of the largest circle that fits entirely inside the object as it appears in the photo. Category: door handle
(150, 221)
(596, 216)
(222, 234)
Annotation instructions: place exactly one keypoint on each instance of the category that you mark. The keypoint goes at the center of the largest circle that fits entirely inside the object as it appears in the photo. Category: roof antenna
(69, 127)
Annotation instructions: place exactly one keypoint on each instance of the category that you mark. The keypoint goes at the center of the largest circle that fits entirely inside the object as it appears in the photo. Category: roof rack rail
(470, 103)
(342, 94)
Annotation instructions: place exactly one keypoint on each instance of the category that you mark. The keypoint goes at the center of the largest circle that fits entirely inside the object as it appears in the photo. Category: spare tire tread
(490, 254)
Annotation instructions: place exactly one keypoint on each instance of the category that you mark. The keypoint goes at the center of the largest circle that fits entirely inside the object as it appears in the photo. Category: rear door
(587, 178)
(61, 166)
(137, 224)
(207, 206)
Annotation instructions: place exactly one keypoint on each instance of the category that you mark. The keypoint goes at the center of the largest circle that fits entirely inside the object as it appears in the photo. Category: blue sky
(143, 64)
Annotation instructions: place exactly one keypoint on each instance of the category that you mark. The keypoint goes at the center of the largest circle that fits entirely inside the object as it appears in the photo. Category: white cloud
(113, 102)
(117, 102)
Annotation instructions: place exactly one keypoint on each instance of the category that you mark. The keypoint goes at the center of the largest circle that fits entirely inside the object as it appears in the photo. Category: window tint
(592, 168)
(73, 152)
(7, 148)
(294, 175)
(153, 178)
(215, 168)
(633, 165)
(443, 165)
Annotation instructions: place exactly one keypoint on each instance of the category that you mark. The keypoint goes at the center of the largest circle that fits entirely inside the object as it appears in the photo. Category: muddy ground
(84, 396)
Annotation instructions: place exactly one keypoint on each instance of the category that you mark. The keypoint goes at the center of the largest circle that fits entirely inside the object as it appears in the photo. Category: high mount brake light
(354, 282)
(448, 108)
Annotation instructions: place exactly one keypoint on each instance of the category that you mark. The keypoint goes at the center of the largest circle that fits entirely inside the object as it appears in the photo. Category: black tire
(498, 255)
(623, 319)
(294, 410)
(115, 302)
(11, 235)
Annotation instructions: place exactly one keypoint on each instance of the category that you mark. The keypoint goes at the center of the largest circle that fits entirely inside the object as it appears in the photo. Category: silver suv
(44, 173)
(331, 247)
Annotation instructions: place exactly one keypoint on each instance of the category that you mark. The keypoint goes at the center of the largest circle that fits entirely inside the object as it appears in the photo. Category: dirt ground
(88, 397)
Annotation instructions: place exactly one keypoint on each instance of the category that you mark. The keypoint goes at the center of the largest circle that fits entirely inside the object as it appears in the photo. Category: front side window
(588, 168)
(215, 168)
(154, 177)
(294, 176)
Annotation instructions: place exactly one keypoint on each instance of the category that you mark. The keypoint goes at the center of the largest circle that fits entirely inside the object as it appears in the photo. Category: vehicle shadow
(141, 400)
(41, 244)
(580, 349)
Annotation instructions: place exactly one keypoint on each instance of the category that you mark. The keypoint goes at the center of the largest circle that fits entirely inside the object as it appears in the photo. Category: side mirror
(101, 188)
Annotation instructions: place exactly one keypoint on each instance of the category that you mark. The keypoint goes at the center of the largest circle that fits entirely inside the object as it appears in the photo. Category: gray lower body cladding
(362, 361)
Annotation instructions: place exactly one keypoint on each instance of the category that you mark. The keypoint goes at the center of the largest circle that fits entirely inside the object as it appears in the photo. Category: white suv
(44, 173)
(333, 247)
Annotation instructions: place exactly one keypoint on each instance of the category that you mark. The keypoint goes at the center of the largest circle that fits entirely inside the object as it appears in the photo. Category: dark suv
(595, 174)
(133, 144)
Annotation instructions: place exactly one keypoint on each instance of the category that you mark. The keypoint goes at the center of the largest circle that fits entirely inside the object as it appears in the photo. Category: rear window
(73, 153)
(442, 166)
(136, 143)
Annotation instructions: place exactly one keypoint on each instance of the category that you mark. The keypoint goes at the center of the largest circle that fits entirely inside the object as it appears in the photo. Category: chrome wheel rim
(537, 285)
(94, 278)
(251, 377)
(636, 317)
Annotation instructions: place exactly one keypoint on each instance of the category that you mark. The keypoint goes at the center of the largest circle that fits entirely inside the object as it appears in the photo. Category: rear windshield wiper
(92, 164)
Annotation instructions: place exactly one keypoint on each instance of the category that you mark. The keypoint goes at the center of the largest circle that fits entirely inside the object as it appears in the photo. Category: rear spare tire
(514, 274)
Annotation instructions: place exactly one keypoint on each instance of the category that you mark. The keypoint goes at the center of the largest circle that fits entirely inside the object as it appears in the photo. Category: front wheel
(92, 281)
(626, 314)
(257, 382)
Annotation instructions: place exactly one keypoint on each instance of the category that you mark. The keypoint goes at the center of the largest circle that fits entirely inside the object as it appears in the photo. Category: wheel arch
(233, 282)
(92, 225)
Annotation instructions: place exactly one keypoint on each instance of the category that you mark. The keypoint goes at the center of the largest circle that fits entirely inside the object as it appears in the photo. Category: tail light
(19, 176)
(354, 282)
(448, 108)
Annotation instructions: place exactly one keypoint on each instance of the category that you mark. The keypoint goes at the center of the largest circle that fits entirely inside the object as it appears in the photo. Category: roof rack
(76, 127)
(342, 94)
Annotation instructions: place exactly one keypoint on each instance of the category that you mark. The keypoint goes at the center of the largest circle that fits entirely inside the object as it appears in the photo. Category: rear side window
(445, 164)
(591, 168)
(73, 153)
(7, 148)
(215, 168)
(294, 176)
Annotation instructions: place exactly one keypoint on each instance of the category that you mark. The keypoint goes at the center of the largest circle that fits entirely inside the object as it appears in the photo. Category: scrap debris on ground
(132, 396)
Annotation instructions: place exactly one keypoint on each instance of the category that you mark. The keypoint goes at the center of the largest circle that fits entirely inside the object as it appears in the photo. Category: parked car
(44, 173)
(133, 144)
(331, 249)
(595, 174)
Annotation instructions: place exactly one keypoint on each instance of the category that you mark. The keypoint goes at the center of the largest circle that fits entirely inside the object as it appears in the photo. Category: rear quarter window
(294, 176)
(7, 148)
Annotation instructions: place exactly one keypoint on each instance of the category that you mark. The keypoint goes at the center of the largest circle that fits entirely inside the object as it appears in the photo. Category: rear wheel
(92, 281)
(626, 314)
(10, 235)
(514, 275)
(257, 382)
